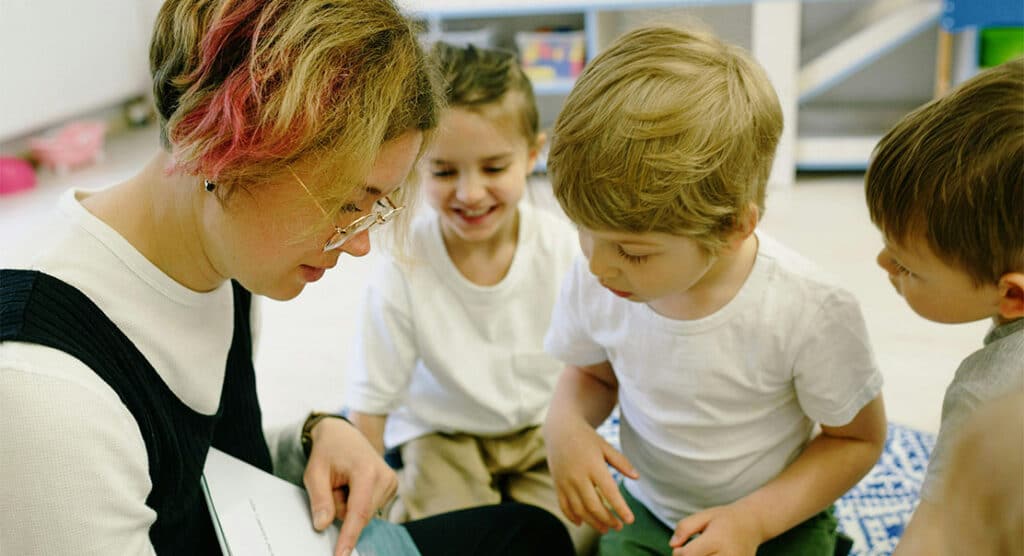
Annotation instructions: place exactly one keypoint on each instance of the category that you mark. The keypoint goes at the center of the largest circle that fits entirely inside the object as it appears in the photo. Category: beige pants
(446, 472)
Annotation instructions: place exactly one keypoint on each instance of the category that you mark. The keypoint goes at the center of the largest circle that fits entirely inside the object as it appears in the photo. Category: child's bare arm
(830, 464)
(577, 456)
(372, 427)
(590, 392)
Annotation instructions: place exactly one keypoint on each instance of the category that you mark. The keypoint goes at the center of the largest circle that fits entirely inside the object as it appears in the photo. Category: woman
(289, 129)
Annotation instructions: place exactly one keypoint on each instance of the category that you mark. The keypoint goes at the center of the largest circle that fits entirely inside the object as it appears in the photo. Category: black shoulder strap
(40, 309)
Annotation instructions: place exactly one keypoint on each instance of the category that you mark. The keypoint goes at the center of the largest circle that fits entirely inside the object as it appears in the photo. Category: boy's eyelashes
(634, 259)
(900, 268)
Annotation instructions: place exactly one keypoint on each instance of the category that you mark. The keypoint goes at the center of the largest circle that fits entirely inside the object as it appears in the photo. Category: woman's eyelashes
(633, 259)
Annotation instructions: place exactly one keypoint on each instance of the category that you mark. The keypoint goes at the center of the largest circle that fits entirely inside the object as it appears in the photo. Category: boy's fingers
(619, 461)
(699, 547)
(360, 510)
(613, 498)
(688, 527)
(595, 507)
(577, 507)
(566, 510)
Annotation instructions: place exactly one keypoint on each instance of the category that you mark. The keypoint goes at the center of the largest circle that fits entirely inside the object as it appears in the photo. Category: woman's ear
(1011, 295)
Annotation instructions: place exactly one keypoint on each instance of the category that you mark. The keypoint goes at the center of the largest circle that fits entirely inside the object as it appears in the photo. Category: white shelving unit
(804, 64)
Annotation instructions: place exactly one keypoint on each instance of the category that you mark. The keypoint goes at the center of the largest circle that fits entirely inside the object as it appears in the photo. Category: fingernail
(346, 551)
(673, 540)
(321, 519)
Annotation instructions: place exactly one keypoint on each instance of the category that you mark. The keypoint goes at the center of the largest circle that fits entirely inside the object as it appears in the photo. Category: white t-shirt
(714, 408)
(438, 353)
(74, 471)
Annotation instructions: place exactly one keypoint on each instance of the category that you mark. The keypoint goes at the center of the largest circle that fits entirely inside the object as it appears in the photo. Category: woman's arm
(74, 470)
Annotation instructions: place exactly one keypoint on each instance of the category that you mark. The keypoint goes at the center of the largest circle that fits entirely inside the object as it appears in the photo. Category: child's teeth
(475, 213)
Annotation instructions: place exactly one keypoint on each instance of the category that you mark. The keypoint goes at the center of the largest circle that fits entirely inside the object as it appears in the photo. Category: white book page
(258, 514)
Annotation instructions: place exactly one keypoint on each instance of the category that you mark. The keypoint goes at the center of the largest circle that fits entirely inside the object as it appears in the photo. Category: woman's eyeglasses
(383, 211)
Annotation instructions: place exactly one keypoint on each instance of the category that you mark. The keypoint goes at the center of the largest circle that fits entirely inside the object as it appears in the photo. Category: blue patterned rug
(875, 511)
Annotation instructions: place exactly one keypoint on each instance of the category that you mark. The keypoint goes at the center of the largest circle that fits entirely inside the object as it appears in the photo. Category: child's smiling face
(934, 289)
(475, 173)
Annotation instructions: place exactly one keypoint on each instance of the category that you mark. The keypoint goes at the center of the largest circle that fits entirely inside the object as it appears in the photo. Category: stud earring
(210, 186)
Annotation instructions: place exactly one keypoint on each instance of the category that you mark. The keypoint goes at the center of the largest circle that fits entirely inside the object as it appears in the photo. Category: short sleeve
(384, 345)
(957, 407)
(835, 372)
(568, 337)
(75, 468)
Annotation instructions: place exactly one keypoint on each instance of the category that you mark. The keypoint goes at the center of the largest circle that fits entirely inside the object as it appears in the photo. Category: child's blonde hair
(668, 130)
(952, 174)
(485, 79)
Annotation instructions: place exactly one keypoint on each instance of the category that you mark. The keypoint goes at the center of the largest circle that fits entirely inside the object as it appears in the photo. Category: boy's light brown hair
(951, 173)
(668, 130)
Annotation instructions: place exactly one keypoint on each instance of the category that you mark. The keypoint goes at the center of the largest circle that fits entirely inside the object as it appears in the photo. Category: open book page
(258, 514)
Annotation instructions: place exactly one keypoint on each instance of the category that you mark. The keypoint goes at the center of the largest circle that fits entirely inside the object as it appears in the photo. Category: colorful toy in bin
(16, 175)
(551, 56)
(74, 145)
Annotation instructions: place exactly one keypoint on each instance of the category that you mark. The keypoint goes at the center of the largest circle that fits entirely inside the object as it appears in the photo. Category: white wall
(63, 58)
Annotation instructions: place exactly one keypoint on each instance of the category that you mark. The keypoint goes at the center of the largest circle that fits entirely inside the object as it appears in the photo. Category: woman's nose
(358, 245)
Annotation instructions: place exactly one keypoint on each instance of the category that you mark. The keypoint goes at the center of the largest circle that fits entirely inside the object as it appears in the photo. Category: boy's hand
(578, 458)
(724, 531)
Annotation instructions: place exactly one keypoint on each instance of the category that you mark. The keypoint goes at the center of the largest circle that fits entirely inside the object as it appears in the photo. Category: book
(257, 514)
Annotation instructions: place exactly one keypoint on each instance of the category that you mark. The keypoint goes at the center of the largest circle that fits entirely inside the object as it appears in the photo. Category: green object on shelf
(999, 44)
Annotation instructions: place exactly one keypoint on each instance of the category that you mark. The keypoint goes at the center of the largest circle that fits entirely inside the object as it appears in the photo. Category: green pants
(647, 535)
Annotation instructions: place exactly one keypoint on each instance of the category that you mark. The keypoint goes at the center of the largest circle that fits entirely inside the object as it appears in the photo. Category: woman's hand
(578, 458)
(346, 479)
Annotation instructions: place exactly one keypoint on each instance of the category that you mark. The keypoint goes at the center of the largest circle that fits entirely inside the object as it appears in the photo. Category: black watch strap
(306, 437)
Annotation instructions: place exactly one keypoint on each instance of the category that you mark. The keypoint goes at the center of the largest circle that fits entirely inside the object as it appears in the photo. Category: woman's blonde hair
(668, 130)
(245, 88)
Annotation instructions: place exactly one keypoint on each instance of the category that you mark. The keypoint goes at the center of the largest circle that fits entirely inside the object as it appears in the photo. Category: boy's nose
(599, 266)
(885, 261)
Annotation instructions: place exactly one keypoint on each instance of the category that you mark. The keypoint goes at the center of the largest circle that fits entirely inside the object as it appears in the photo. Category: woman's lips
(312, 273)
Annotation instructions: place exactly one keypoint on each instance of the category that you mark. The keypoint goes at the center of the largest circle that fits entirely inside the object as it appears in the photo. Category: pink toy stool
(15, 175)
(74, 145)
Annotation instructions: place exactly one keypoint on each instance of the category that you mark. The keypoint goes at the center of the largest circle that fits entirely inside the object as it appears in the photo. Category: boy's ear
(1011, 295)
(745, 225)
